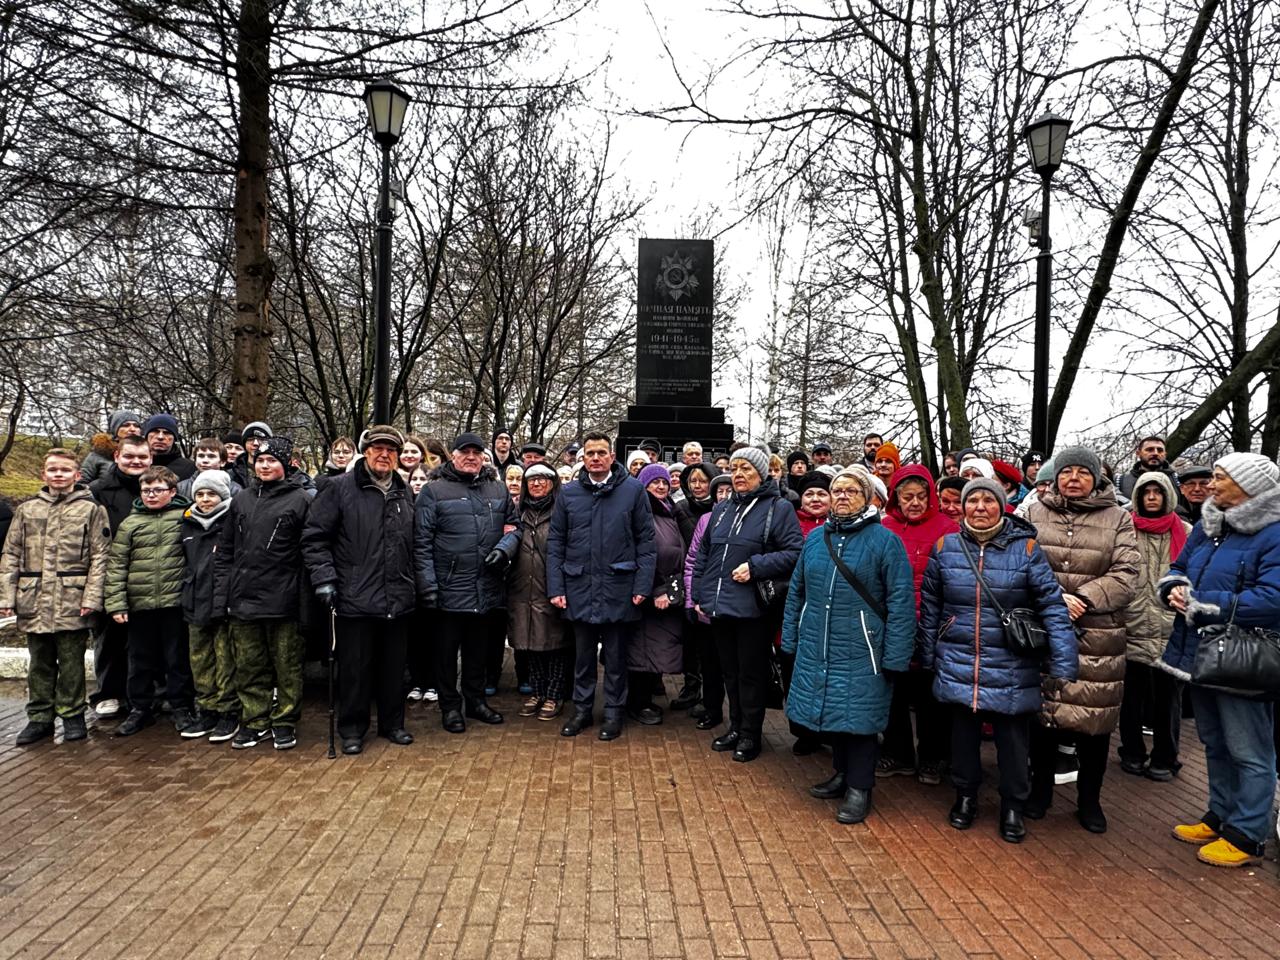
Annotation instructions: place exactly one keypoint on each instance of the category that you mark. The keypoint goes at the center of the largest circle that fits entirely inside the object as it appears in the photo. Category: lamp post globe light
(1046, 137)
(387, 105)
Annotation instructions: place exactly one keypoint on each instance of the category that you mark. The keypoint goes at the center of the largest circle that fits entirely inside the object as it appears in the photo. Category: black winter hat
(814, 478)
(279, 447)
(795, 455)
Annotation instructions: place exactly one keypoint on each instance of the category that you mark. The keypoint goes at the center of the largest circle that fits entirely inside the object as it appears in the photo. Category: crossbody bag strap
(982, 583)
(846, 571)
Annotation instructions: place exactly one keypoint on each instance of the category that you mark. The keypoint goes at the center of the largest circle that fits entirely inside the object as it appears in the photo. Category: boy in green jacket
(144, 591)
(51, 575)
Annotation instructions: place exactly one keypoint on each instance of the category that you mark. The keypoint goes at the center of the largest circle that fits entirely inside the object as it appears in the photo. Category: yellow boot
(1196, 833)
(1223, 853)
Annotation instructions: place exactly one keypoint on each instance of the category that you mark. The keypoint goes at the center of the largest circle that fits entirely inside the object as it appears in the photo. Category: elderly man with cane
(358, 547)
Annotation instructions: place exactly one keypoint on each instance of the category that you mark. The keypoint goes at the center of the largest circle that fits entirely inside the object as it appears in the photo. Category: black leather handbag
(772, 594)
(1024, 634)
(1242, 661)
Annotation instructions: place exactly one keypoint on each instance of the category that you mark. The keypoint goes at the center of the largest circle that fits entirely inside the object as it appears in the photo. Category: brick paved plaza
(514, 842)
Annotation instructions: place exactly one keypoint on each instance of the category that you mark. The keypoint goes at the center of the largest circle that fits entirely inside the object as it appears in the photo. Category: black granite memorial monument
(675, 310)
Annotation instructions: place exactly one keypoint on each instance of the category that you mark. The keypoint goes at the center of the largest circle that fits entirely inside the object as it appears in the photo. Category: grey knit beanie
(754, 456)
(1077, 457)
(993, 487)
(219, 481)
(1252, 472)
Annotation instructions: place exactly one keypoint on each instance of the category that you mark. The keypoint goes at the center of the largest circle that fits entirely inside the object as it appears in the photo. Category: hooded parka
(1148, 621)
(918, 536)
(532, 622)
(200, 535)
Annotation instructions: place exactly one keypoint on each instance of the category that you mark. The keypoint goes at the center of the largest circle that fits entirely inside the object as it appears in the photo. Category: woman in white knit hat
(1229, 568)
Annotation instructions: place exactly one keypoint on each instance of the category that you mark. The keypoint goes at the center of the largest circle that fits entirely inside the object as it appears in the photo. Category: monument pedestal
(673, 427)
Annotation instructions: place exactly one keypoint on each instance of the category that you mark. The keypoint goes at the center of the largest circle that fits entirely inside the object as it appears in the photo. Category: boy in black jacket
(208, 636)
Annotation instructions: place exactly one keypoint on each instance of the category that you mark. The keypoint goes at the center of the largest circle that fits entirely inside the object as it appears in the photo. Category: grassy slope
(21, 477)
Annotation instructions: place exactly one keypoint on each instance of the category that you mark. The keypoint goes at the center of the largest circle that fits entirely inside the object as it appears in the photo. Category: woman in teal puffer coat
(848, 647)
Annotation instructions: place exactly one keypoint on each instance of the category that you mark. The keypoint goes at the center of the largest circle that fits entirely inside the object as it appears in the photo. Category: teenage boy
(144, 592)
(209, 454)
(208, 636)
(51, 575)
(258, 579)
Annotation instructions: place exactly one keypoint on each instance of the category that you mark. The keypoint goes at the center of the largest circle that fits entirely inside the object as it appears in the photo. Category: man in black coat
(358, 546)
(161, 431)
(1150, 458)
(465, 534)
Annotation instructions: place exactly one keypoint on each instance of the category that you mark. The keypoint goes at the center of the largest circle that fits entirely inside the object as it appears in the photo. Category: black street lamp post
(387, 104)
(1045, 139)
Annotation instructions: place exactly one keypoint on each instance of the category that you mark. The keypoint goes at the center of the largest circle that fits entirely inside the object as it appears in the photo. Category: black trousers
(1091, 752)
(420, 651)
(594, 642)
(371, 655)
(1150, 692)
(855, 755)
(787, 663)
(465, 633)
(159, 653)
(496, 646)
(1013, 740)
(111, 662)
(691, 652)
(913, 690)
(743, 645)
(699, 636)
(641, 688)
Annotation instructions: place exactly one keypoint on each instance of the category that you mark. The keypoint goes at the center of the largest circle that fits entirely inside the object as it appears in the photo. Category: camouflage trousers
(213, 667)
(267, 653)
(55, 679)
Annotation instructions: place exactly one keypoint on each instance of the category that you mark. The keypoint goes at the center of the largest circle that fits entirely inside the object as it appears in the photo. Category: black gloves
(328, 595)
(496, 560)
(427, 600)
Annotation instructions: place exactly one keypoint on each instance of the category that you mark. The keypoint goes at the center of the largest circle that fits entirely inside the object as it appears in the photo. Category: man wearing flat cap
(531, 453)
(466, 530)
(358, 546)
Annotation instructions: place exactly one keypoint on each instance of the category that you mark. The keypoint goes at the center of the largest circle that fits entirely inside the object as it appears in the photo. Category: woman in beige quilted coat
(1090, 544)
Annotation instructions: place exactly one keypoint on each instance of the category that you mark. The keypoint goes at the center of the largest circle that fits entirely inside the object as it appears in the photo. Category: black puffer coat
(258, 573)
(361, 541)
(459, 520)
(200, 536)
(116, 491)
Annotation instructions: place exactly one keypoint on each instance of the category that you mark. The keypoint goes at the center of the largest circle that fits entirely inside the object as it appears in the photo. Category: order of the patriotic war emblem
(676, 278)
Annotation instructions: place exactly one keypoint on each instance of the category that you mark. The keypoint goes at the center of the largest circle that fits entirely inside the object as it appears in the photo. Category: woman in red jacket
(913, 515)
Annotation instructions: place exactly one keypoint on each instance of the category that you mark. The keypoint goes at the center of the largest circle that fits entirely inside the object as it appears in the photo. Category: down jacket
(258, 572)
(1148, 621)
(736, 534)
(961, 637)
(360, 540)
(1232, 555)
(918, 536)
(200, 536)
(841, 646)
(532, 622)
(460, 520)
(1091, 546)
(117, 492)
(600, 549)
(145, 567)
(55, 561)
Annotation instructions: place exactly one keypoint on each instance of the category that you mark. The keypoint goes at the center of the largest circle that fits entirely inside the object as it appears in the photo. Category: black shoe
(247, 738)
(928, 773)
(697, 711)
(689, 694)
(201, 725)
(352, 745)
(135, 721)
(1135, 767)
(580, 720)
(709, 721)
(34, 732)
(1037, 805)
(227, 727)
(284, 737)
(726, 741)
(832, 789)
(963, 812)
(855, 806)
(1159, 774)
(804, 746)
(1092, 819)
(484, 713)
(611, 730)
(182, 718)
(399, 736)
(73, 728)
(1012, 829)
(452, 721)
(747, 750)
(650, 716)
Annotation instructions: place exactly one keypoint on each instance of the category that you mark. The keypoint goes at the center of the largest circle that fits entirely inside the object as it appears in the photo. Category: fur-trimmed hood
(1248, 517)
(103, 445)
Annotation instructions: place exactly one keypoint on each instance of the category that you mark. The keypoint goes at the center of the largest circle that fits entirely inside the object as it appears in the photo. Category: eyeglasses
(846, 494)
(154, 491)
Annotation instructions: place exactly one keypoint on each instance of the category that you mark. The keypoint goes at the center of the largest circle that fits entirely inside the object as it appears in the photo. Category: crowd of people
(901, 618)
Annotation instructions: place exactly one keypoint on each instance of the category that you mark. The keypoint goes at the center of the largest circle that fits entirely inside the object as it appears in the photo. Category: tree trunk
(11, 428)
(251, 349)
(1271, 426)
(1119, 227)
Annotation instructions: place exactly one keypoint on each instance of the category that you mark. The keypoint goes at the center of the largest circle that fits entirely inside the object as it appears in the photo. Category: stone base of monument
(673, 427)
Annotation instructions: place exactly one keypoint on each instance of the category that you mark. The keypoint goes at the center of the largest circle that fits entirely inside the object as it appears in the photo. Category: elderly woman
(708, 714)
(1091, 547)
(655, 648)
(1229, 568)
(513, 477)
(536, 632)
(850, 625)
(963, 643)
(695, 483)
(1148, 690)
(754, 535)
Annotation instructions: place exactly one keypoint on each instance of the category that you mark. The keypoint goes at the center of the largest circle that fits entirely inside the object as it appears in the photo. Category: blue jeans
(1240, 753)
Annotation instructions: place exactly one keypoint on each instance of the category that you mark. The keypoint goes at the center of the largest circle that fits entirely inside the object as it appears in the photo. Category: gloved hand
(427, 600)
(496, 560)
(691, 614)
(328, 595)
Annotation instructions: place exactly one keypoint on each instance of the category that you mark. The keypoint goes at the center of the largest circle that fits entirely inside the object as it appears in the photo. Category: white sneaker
(430, 695)
(415, 694)
(107, 708)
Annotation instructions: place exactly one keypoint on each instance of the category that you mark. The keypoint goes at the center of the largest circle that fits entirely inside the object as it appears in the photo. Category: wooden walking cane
(333, 649)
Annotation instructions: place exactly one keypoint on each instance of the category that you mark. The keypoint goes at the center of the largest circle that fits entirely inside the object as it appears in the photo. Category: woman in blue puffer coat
(962, 642)
(848, 647)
